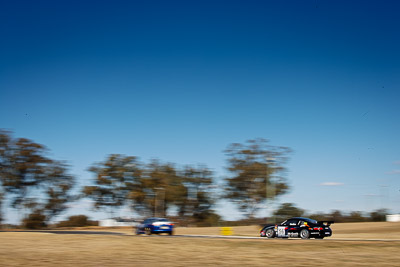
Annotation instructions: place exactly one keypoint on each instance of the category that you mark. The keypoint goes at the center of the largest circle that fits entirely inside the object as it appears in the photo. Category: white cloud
(331, 184)
(394, 172)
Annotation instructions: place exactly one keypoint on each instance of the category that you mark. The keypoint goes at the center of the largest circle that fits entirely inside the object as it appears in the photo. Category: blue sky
(180, 80)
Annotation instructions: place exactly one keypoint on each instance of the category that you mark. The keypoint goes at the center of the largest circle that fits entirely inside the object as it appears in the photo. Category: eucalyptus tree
(30, 180)
(256, 173)
(116, 180)
(150, 189)
(164, 187)
(200, 199)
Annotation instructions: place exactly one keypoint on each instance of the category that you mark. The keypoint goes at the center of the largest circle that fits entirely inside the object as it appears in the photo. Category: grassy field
(367, 230)
(44, 249)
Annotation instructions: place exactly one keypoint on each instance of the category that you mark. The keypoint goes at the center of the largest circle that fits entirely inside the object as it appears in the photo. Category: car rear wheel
(304, 234)
(270, 233)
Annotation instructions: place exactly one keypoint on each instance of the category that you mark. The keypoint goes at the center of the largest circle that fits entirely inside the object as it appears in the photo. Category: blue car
(155, 226)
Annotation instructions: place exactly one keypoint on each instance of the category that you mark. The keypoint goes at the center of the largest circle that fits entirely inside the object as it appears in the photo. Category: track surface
(60, 232)
(191, 236)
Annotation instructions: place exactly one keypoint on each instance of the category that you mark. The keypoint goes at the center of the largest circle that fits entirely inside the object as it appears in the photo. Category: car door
(294, 228)
(283, 229)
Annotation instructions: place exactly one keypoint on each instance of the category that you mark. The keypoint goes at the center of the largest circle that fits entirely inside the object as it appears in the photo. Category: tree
(117, 179)
(58, 189)
(337, 216)
(379, 215)
(35, 220)
(23, 167)
(4, 151)
(257, 170)
(1, 205)
(164, 187)
(26, 173)
(356, 216)
(150, 189)
(286, 211)
(198, 202)
(77, 221)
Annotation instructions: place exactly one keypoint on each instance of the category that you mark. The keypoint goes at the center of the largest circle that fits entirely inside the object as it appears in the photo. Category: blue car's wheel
(137, 231)
(147, 231)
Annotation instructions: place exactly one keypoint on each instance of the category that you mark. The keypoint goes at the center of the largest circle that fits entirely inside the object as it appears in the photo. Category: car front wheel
(270, 233)
(147, 231)
(304, 234)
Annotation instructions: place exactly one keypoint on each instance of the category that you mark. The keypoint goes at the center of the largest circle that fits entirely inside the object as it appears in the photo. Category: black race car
(298, 227)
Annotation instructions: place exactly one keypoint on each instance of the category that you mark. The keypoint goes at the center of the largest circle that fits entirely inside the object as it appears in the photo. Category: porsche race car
(298, 227)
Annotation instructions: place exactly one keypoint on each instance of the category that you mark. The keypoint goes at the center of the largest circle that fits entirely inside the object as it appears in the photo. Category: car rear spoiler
(326, 222)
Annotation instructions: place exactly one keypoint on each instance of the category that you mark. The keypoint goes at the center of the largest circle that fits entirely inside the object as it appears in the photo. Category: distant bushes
(287, 210)
(354, 216)
(77, 221)
(37, 221)
(34, 220)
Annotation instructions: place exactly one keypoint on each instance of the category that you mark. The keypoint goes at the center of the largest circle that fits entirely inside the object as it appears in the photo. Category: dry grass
(373, 230)
(368, 230)
(43, 249)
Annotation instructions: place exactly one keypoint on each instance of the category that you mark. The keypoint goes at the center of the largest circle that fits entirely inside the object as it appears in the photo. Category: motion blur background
(181, 80)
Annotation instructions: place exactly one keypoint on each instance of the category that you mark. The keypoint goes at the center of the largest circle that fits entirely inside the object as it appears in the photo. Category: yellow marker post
(226, 231)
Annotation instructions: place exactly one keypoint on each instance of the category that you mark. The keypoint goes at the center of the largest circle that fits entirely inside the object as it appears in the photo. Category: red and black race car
(298, 227)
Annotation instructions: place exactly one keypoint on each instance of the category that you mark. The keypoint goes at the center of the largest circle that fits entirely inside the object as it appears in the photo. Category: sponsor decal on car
(281, 231)
(293, 234)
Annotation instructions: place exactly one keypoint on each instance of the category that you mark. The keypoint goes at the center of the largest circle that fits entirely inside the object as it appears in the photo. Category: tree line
(41, 187)
(287, 210)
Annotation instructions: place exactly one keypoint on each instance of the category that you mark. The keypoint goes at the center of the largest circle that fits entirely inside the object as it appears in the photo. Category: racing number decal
(281, 231)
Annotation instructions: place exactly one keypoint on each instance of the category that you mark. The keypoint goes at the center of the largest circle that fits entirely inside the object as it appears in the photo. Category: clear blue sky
(180, 80)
